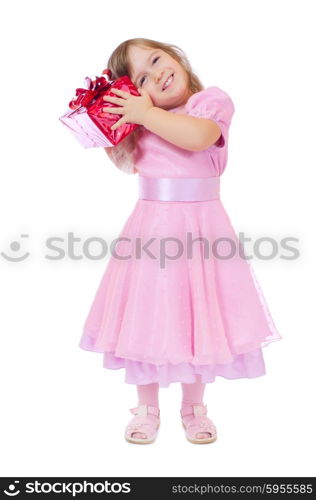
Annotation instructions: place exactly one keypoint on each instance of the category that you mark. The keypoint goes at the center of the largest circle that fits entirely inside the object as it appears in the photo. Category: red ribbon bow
(85, 96)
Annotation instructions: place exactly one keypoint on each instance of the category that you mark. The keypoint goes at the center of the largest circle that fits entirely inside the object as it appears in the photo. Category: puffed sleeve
(215, 104)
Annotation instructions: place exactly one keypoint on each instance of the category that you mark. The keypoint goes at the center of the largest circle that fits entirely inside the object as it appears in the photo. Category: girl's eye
(141, 80)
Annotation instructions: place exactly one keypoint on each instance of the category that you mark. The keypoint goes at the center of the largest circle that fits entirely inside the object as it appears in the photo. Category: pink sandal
(199, 423)
(141, 423)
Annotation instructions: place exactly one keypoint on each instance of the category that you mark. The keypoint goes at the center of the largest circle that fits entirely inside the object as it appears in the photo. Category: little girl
(178, 301)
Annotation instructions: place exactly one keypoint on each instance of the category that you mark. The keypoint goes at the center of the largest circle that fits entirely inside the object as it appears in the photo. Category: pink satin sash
(179, 188)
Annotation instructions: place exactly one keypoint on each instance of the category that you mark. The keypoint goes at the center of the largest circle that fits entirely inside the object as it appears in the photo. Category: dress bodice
(156, 157)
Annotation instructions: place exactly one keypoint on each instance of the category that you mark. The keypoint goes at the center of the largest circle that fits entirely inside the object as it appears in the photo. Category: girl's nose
(158, 76)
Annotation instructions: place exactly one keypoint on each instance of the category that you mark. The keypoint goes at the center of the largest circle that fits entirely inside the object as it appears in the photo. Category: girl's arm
(184, 131)
(116, 153)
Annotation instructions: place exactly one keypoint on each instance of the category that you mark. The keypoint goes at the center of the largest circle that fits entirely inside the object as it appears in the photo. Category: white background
(63, 414)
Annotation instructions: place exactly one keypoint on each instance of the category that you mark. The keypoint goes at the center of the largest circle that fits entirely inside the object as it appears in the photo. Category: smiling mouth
(168, 82)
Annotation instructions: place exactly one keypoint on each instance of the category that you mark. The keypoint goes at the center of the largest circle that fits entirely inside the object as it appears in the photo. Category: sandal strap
(141, 424)
(201, 424)
(196, 410)
(144, 410)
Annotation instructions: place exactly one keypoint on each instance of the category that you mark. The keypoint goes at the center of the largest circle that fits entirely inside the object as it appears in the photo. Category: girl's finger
(121, 92)
(118, 124)
(113, 110)
(115, 100)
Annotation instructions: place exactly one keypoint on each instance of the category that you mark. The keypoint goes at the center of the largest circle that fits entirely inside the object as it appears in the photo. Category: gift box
(87, 121)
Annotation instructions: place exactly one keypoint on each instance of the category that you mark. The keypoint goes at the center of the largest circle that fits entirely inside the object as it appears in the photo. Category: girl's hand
(133, 108)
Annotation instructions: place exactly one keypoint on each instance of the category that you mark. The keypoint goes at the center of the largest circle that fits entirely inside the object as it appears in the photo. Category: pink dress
(163, 316)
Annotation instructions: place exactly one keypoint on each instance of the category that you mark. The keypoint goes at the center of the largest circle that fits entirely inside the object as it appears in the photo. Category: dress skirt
(178, 298)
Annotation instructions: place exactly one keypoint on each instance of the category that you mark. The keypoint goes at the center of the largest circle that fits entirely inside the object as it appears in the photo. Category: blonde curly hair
(122, 154)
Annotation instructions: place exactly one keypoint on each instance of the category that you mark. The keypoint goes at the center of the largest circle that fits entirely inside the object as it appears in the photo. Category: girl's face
(150, 70)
